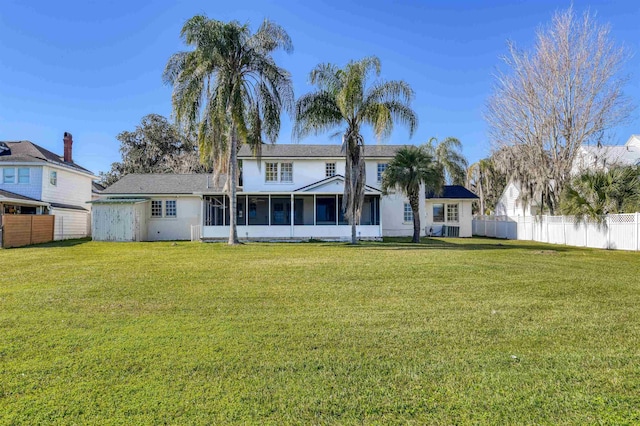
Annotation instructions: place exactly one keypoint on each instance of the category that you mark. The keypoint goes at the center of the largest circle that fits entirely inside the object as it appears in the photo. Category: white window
(452, 213)
(23, 175)
(408, 213)
(286, 172)
(170, 208)
(271, 172)
(53, 178)
(438, 212)
(9, 175)
(156, 208)
(329, 169)
(381, 168)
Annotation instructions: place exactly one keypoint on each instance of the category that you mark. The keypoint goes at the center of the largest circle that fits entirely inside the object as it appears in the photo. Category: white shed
(449, 214)
(119, 219)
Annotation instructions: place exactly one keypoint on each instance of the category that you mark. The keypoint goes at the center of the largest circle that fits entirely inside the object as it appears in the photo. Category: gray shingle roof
(13, 195)
(27, 151)
(157, 183)
(317, 151)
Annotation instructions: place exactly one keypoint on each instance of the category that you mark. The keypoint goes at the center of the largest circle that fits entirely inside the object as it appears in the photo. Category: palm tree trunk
(414, 201)
(232, 180)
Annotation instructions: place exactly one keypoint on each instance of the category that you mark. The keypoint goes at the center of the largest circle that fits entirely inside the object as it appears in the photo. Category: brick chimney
(68, 141)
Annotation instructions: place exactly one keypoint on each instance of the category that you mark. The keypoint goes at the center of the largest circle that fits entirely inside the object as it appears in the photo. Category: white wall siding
(33, 189)
(71, 188)
(70, 224)
(188, 212)
(114, 222)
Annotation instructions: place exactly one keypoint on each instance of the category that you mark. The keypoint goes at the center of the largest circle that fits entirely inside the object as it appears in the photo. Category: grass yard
(446, 332)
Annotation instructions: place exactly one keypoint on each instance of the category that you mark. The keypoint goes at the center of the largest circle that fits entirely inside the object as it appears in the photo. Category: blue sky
(94, 68)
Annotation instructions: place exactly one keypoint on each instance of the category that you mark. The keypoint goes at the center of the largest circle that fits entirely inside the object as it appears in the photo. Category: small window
(53, 178)
(381, 168)
(23, 175)
(408, 213)
(452, 213)
(9, 175)
(170, 208)
(329, 169)
(271, 172)
(156, 208)
(438, 212)
(286, 172)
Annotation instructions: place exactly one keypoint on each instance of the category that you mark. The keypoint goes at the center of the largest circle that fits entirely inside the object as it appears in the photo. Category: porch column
(269, 204)
(202, 210)
(246, 210)
(380, 214)
(314, 210)
(224, 211)
(292, 215)
(337, 211)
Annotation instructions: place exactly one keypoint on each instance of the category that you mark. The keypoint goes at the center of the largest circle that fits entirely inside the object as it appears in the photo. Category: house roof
(336, 178)
(29, 152)
(626, 155)
(67, 206)
(96, 187)
(13, 197)
(317, 151)
(454, 192)
(159, 183)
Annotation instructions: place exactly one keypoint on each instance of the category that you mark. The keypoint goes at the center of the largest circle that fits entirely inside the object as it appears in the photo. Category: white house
(588, 157)
(292, 192)
(450, 214)
(34, 180)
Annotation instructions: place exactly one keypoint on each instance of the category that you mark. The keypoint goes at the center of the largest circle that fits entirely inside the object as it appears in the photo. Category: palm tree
(448, 154)
(229, 91)
(411, 168)
(595, 194)
(344, 99)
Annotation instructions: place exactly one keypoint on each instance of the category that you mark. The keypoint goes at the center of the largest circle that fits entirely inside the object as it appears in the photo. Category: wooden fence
(22, 230)
(616, 232)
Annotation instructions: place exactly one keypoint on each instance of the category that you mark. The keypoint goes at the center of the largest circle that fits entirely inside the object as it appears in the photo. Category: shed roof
(454, 192)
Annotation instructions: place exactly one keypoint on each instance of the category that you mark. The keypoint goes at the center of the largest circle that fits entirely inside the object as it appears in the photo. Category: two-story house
(34, 180)
(292, 192)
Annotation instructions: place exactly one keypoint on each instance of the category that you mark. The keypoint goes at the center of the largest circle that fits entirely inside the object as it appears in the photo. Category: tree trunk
(354, 240)
(414, 201)
(232, 189)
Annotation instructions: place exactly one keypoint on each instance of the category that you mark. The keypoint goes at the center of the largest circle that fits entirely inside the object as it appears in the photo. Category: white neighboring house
(293, 192)
(34, 180)
(450, 213)
(588, 157)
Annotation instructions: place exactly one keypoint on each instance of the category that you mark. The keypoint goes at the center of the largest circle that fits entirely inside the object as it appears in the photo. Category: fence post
(607, 221)
(564, 231)
(637, 231)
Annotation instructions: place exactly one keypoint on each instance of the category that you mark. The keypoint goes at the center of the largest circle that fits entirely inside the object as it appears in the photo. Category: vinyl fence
(617, 232)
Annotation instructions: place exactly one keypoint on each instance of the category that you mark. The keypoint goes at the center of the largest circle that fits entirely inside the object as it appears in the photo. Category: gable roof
(334, 178)
(29, 152)
(317, 151)
(159, 183)
(454, 192)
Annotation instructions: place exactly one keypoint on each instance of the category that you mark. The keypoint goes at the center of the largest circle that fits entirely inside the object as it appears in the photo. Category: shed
(449, 214)
(119, 219)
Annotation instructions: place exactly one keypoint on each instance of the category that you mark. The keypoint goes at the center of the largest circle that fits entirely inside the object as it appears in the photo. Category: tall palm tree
(229, 91)
(345, 99)
(448, 154)
(411, 168)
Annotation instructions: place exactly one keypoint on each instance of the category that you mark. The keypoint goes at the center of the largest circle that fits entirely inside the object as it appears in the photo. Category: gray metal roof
(27, 151)
(13, 195)
(317, 151)
(158, 183)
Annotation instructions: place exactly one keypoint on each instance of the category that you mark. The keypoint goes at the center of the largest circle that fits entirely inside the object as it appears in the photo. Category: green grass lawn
(447, 332)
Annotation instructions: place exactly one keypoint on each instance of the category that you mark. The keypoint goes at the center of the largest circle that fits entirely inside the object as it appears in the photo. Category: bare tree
(565, 92)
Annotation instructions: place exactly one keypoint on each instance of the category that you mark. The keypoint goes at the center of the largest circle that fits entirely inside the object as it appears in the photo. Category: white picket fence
(617, 232)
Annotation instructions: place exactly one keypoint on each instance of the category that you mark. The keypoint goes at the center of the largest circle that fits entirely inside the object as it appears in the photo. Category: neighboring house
(34, 180)
(587, 158)
(450, 213)
(291, 192)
